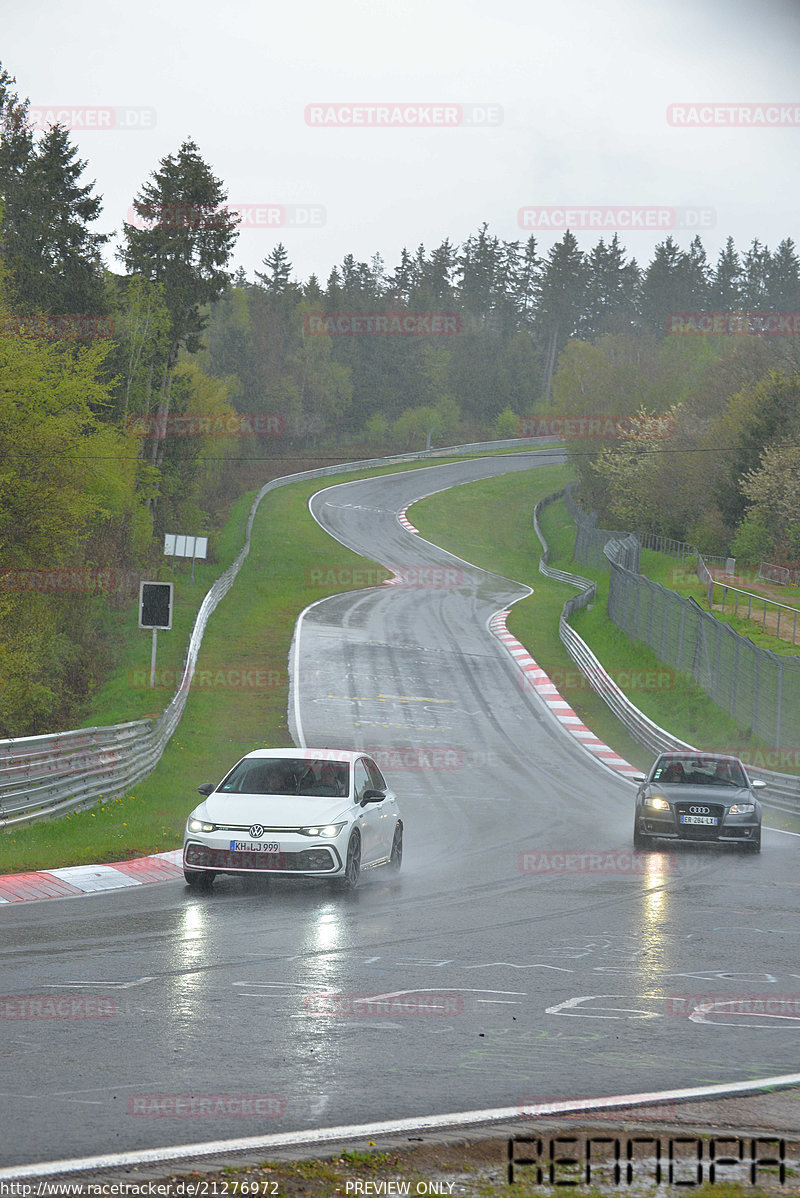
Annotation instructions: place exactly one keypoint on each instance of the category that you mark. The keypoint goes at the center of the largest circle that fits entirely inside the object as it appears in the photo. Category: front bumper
(733, 829)
(314, 860)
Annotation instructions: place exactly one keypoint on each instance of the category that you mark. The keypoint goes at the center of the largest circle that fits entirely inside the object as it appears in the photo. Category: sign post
(178, 546)
(155, 611)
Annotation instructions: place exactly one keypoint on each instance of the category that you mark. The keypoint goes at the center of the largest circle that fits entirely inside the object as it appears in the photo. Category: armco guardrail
(783, 790)
(42, 776)
(656, 739)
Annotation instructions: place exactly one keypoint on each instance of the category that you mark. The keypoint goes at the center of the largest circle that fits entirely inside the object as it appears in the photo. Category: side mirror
(758, 784)
(206, 789)
(639, 778)
(372, 796)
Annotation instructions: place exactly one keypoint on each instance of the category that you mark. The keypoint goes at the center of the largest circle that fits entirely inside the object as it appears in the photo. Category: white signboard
(177, 546)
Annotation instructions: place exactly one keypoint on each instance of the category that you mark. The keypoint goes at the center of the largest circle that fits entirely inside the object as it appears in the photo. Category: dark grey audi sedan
(698, 796)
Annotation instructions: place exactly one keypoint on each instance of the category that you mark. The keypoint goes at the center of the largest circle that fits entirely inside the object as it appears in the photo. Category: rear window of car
(288, 776)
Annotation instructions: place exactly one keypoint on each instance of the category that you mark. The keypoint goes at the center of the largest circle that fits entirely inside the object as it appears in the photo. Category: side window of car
(376, 777)
(361, 780)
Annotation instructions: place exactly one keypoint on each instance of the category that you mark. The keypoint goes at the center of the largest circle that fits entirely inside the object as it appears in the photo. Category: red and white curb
(86, 879)
(404, 520)
(535, 680)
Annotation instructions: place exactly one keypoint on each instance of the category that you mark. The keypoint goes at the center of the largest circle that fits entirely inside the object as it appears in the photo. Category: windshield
(700, 771)
(288, 776)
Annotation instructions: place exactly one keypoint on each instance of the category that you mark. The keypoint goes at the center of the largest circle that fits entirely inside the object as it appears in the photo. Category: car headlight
(741, 808)
(657, 803)
(200, 825)
(326, 830)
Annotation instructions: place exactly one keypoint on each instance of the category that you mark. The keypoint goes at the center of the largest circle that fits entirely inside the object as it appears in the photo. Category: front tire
(199, 879)
(396, 857)
(754, 843)
(352, 867)
(640, 839)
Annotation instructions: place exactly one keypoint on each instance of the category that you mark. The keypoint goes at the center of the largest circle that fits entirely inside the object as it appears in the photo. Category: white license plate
(698, 819)
(255, 846)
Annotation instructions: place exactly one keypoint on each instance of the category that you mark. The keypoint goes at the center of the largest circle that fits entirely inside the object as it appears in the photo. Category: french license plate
(698, 819)
(255, 846)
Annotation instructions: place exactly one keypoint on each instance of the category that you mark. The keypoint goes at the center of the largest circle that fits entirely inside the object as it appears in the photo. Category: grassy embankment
(683, 579)
(489, 523)
(239, 698)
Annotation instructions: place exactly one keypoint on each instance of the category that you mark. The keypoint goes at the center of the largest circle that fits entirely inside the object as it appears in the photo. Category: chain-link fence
(759, 689)
(591, 541)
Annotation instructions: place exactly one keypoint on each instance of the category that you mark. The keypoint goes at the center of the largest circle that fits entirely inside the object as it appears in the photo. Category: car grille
(700, 831)
(200, 856)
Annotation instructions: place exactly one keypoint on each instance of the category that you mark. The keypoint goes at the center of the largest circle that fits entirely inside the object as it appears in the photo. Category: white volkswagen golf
(300, 812)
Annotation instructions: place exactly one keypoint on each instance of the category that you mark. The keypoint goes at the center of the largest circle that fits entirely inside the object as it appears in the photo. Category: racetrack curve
(556, 985)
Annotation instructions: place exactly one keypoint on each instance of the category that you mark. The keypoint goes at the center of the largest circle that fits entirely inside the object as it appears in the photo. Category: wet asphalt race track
(540, 985)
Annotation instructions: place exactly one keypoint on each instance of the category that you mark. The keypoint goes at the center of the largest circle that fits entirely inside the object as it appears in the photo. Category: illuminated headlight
(657, 803)
(326, 830)
(741, 809)
(200, 825)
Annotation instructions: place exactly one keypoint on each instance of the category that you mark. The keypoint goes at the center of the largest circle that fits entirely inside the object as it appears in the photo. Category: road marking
(326, 1135)
(569, 1007)
(92, 982)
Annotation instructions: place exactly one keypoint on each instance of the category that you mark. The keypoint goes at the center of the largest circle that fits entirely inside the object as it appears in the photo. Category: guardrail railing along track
(43, 776)
(783, 790)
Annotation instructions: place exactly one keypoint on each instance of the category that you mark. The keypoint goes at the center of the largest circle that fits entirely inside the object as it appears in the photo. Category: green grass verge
(241, 692)
(682, 577)
(490, 524)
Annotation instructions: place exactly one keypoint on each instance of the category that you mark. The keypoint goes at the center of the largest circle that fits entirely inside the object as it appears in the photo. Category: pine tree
(185, 244)
(610, 305)
(45, 238)
(277, 277)
(757, 268)
(438, 276)
(404, 279)
(672, 283)
(725, 289)
(784, 278)
(562, 298)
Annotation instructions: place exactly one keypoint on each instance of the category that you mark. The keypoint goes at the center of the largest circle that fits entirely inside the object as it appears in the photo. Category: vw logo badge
(698, 810)
(256, 831)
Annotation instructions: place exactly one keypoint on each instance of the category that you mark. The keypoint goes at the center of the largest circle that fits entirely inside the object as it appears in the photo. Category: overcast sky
(574, 97)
